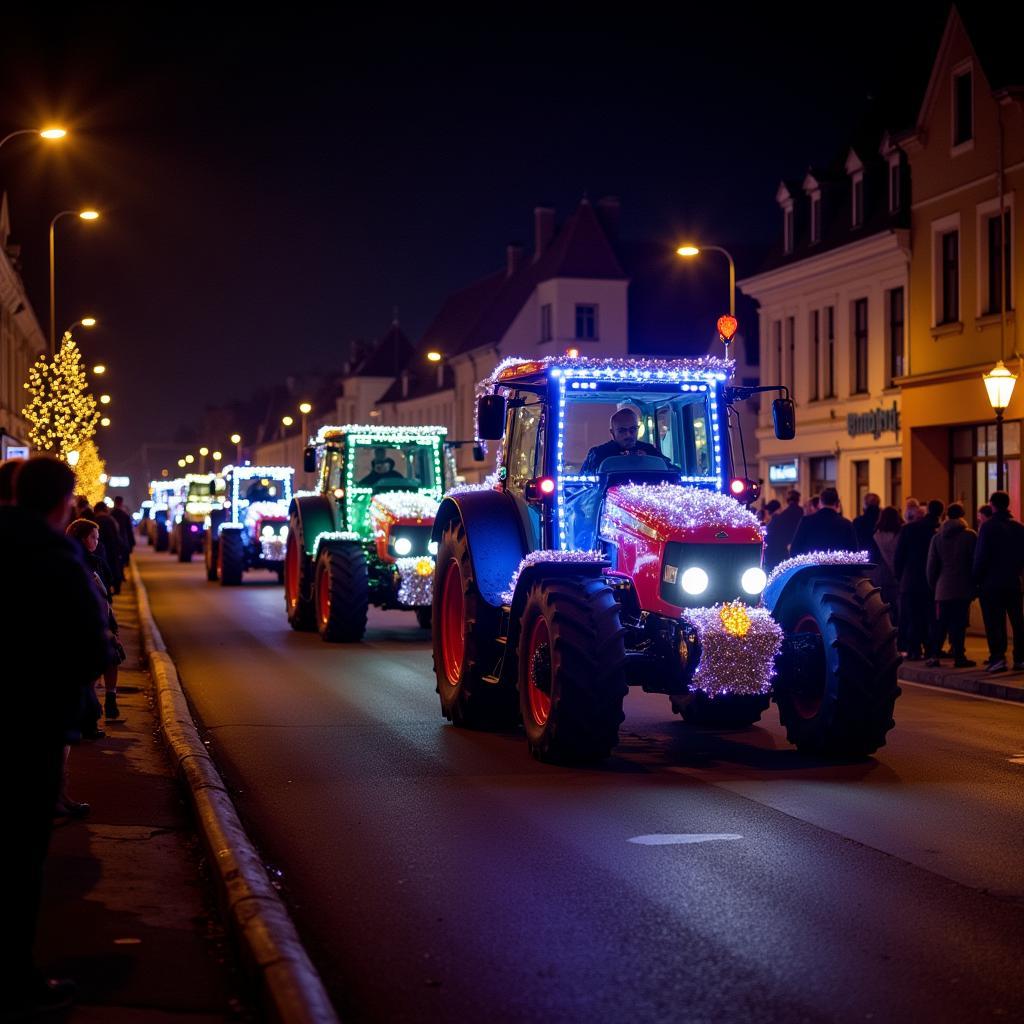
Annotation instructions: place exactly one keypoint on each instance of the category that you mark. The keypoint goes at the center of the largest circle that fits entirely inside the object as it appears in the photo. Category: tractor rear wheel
(160, 537)
(341, 593)
(298, 580)
(836, 693)
(184, 543)
(465, 630)
(572, 678)
(732, 711)
(232, 558)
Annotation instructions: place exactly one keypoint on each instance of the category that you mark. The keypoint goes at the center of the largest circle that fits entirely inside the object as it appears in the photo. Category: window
(949, 294)
(894, 186)
(897, 334)
(815, 352)
(791, 345)
(963, 108)
(974, 463)
(545, 322)
(857, 201)
(997, 258)
(860, 346)
(860, 482)
(777, 347)
(586, 323)
(830, 346)
(822, 473)
(524, 459)
(894, 482)
(787, 230)
(815, 218)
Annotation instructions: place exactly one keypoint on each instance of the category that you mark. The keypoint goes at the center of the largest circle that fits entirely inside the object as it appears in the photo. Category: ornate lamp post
(999, 384)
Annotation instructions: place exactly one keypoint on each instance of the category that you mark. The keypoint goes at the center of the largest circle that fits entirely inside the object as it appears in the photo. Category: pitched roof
(387, 356)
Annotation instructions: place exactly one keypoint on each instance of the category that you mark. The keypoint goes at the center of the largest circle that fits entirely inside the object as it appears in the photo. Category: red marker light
(546, 485)
(572, 353)
(727, 327)
(737, 486)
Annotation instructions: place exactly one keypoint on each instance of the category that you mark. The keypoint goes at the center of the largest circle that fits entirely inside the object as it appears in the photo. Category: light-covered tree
(61, 412)
(90, 473)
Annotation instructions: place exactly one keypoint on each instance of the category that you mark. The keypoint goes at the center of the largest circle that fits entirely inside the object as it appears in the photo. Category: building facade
(966, 159)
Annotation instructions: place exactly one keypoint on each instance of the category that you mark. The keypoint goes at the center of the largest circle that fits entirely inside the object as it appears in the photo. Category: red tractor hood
(673, 512)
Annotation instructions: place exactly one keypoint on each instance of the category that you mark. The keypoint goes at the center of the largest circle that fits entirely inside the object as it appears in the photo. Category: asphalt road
(443, 875)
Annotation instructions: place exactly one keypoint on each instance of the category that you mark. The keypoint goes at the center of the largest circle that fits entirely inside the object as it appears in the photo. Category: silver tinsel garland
(684, 507)
(818, 558)
(731, 663)
(394, 505)
(551, 556)
(415, 581)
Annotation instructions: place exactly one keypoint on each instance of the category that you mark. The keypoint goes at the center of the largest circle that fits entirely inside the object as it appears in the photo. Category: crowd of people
(929, 564)
(63, 560)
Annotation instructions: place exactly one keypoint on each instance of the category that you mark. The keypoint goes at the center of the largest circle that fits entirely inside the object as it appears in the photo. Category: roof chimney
(543, 229)
(513, 259)
(608, 210)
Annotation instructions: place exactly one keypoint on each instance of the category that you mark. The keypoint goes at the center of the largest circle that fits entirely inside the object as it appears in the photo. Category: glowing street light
(181, 463)
(104, 399)
(204, 450)
(305, 408)
(87, 215)
(693, 250)
(999, 383)
(287, 420)
(217, 456)
(190, 459)
(99, 369)
(434, 356)
(236, 440)
(105, 422)
(50, 134)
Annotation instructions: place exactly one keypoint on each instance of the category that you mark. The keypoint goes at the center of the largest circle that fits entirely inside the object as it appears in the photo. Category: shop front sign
(876, 422)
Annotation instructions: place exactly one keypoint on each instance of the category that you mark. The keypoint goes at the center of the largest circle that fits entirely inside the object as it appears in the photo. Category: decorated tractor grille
(614, 546)
(363, 537)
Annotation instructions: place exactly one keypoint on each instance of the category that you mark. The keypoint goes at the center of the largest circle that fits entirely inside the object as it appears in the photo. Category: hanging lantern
(727, 327)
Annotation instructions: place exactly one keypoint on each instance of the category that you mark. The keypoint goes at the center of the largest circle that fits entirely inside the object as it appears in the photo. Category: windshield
(375, 468)
(676, 424)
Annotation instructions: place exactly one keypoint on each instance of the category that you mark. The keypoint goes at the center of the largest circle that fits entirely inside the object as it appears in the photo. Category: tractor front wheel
(232, 558)
(836, 683)
(465, 628)
(342, 595)
(423, 617)
(572, 678)
(298, 580)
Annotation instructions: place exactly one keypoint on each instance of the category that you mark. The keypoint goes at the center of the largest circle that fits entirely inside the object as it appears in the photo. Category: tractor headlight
(694, 581)
(432, 547)
(402, 546)
(267, 532)
(753, 581)
(284, 532)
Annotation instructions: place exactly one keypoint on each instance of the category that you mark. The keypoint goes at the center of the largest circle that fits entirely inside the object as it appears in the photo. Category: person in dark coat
(998, 564)
(53, 622)
(865, 523)
(624, 426)
(917, 605)
(949, 568)
(114, 549)
(124, 521)
(826, 530)
(780, 531)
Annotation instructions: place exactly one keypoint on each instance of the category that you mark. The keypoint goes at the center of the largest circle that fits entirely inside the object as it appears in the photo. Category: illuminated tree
(90, 473)
(61, 413)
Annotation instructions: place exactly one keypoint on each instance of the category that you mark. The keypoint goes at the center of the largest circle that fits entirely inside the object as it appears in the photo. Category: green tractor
(363, 536)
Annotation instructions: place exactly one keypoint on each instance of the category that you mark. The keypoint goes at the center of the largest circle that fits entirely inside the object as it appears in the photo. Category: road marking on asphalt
(668, 839)
(1019, 759)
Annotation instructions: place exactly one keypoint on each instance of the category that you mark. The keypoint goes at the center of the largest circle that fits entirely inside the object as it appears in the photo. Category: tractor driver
(383, 468)
(624, 426)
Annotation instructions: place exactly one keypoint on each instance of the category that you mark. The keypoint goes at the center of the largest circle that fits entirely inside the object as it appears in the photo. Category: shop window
(822, 472)
(974, 465)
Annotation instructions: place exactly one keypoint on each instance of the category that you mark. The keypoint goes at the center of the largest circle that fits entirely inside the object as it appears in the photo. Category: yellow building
(966, 160)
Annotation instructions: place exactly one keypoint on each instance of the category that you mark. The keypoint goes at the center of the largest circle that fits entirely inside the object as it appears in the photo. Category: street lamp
(693, 250)
(50, 134)
(236, 440)
(87, 215)
(99, 369)
(999, 384)
(86, 321)
(104, 399)
(190, 459)
(217, 456)
(203, 452)
(105, 422)
(305, 408)
(181, 463)
(287, 420)
(433, 356)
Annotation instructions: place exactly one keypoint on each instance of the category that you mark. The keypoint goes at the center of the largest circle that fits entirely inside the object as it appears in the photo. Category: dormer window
(963, 107)
(787, 229)
(815, 218)
(857, 200)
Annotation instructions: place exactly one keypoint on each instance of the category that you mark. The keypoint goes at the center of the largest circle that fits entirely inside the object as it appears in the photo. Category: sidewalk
(1004, 685)
(126, 911)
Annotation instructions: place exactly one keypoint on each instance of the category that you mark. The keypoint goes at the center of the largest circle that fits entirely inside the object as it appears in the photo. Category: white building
(833, 328)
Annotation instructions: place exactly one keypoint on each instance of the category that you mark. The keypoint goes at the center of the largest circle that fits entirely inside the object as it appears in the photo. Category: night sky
(272, 189)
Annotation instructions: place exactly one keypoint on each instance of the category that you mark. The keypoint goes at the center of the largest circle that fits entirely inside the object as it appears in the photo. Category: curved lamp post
(87, 215)
(999, 382)
(694, 250)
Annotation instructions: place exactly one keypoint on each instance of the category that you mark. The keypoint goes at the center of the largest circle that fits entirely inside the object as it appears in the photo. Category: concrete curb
(965, 682)
(290, 989)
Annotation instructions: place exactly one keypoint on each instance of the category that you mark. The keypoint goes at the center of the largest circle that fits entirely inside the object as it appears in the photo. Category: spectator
(917, 606)
(50, 607)
(8, 469)
(984, 514)
(780, 531)
(883, 554)
(912, 510)
(865, 523)
(124, 520)
(998, 563)
(949, 568)
(826, 530)
(114, 550)
(813, 504)
(767, 511)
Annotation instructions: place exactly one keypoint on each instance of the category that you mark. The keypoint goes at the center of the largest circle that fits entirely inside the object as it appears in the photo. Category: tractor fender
(778, 584)
(494, 535)
(315, 514)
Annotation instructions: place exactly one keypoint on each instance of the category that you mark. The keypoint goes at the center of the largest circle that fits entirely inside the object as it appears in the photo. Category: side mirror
(309, 459)
(478, 453)
(784, 418)
(490, 417)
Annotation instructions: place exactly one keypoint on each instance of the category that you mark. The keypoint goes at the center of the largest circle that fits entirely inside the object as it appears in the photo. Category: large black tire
(232, 558)
(424, 617)
(342, 593)
(571, 669)
(298, 580)
(160, 542)
(733, 711)
(465, 629)
(172, 539)
(837, 698)
(184, 543)
(210, 555)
